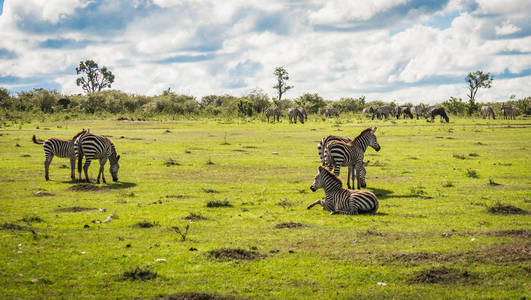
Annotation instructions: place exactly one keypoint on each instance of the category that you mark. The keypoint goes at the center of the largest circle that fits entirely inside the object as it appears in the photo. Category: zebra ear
(374, 129)
(118, 158)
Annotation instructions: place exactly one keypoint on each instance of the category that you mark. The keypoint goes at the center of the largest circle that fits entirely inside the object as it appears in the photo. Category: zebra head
(114, 168)
(318, 181)
(373, 141)
(361, 175)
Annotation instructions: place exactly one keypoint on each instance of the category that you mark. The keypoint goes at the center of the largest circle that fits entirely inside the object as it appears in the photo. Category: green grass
(438, 233)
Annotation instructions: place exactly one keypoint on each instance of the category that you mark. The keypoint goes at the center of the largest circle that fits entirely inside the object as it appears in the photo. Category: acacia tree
(475, 81)
(96, 78)
(282, 85)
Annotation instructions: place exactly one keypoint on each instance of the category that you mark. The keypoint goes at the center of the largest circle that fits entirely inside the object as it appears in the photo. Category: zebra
(303, 112)
(339, 153)
(60, 148)
(274, 112)
(339, 200)
(509, 112)
(406, 110)
(293, 114)
(487, 111)
(383, 111)
(434, 111)
(420, 110)
(367, 110)
(328, 112)
(96, 147)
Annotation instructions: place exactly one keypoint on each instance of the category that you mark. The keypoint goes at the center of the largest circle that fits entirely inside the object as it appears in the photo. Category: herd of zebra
(86, 144)
(335, 152)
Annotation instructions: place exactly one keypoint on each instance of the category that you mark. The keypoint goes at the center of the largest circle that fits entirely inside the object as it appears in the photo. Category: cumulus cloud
(404, 50)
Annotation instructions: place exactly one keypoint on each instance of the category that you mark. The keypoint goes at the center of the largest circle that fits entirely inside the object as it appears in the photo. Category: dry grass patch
(443, 275)
(506, 209)
(85, 187)
(75, 209)
(195, 296)
(289, 225)
(237, 253)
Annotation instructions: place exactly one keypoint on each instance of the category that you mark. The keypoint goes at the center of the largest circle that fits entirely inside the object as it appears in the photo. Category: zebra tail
(34, 139)
(79, 157)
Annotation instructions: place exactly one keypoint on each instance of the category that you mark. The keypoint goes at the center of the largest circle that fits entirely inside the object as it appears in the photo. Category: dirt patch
(195, 296)
(239, 150)
(229, 254)
(290, 225)
(44, 194)
(218, 203)
(250, 147)
(523, 233)
(178, 196)
(505, 209)
(75, 209)
(195, 217)
(443, 275)
(416, 258)
(139, 273)
(11, 226)
(85, 187)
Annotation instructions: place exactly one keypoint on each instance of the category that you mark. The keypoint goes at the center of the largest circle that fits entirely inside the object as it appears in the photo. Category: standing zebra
(434, 111)
(383, 111)
(96, 147)
(406, 110)
(328, 112)
(303, 112)
(339, 200)
(293, 114)
(274, 112)
(338, 153)
(420, 110)
(487, 111)
(60, 148)
(509, 112)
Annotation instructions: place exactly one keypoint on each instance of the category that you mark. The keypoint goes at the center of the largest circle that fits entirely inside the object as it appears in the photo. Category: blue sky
(402, 50)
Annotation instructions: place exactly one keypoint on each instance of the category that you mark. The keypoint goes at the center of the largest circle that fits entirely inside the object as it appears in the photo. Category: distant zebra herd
(336, 152)
(86, 144)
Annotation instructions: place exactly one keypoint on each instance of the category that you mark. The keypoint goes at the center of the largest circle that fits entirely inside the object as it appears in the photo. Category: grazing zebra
(383, 111)
(338, 153)
(60, 148)
(509, 112)
(96, 147)
(434, 111)
(406, 110)
(328, 112)
(274, 112)
(303, 112)
(293, 114)
(487, 111)
(420, 110)
(367, 110)
(339, 200)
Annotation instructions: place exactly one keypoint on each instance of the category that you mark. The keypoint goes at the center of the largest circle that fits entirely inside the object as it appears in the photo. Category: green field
(447, 226)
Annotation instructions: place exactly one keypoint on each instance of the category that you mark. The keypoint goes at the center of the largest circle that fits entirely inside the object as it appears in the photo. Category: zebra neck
(332, 186)
(360, 143)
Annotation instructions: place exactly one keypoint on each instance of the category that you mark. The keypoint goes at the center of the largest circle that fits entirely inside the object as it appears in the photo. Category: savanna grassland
(453, 220)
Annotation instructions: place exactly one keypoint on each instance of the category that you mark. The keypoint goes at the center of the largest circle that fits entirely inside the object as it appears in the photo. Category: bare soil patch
(290, 225)
(11, 226)
(238, 253)
(195, 296)
(443, 275)
(85, 187)
(506, 209)
(139, 273)
(75, 209)
(523, 233)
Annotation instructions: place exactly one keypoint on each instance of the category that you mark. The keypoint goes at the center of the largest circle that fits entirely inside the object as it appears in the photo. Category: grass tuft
(472, 173)
(448, 184)
(459, 156)
(139, 273)
(195, 217)
(505, 209)
(237, 253)
(443, 275)
(219, 203)
(170, 162)
(146, 224)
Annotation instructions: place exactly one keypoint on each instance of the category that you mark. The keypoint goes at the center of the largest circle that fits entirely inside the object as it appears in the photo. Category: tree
(96, 78)
(475, 81)
(5, 98)
(312, 102)
(282, 85)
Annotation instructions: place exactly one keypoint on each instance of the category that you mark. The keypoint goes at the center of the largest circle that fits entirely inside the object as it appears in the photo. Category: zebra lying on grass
(293, 114)
(272, 112)
(96, 147)
(339, 153)
(60, 148)
(487, 111)
(339, 200)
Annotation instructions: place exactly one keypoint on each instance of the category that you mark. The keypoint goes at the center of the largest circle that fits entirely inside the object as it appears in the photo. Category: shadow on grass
(120, 185)
(384, 194)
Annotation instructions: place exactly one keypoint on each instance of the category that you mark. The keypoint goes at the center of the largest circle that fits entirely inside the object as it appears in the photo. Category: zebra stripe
(509, 112)
(383, 111)
(434, 111)
(406, 110)
(339, 200)
(96, 147)
(487, 111)
(338, 154)
(274, 112)
(293, 114)
(60, 148)
(420, 110)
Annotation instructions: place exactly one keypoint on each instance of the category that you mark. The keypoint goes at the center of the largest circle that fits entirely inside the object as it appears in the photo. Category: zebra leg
(314, 203)
(344, 212)
(47, 162)
(85, 168)
(72, 168)
(349, 175)
(101, 171)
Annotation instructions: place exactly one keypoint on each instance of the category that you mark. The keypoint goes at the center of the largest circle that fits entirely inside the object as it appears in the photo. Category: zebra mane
(79, 133)
(331, 174)
(362, 133)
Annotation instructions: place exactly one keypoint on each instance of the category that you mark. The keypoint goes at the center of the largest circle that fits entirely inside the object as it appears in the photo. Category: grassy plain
(433, 236)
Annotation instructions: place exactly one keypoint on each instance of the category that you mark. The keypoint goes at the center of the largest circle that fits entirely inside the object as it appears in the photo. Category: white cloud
(506, 28)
